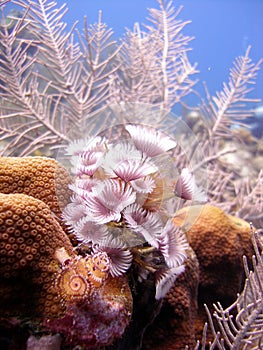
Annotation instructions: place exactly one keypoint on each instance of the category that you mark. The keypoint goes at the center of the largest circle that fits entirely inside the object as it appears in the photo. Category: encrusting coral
(40, 177)
(174, 327)
(42, 277)
(220, 241)
(30, 236)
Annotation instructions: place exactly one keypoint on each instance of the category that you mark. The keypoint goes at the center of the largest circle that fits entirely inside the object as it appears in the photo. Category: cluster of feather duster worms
(120, 193)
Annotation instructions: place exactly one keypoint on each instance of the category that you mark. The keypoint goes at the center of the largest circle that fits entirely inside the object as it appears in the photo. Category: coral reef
(55, 88)
(42, 277)
(174, 326)
(62, 281)
(220, 241)
(29, 238)
(40, 177)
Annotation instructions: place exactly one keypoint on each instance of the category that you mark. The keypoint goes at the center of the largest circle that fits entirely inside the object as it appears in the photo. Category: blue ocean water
(222, 30)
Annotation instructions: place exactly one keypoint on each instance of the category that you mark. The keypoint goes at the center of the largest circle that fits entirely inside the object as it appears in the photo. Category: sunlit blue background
(222, 29)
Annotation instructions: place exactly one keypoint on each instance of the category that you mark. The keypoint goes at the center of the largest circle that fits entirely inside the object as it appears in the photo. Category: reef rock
(46, 342)
(99, 321)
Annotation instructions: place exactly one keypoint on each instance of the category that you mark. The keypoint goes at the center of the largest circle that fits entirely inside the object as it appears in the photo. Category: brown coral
(29, 237)
(174, 327)
(40, 177)
(219, 241)
(42, 277)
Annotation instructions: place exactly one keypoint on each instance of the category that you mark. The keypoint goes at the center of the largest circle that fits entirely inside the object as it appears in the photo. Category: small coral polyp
(121, 189)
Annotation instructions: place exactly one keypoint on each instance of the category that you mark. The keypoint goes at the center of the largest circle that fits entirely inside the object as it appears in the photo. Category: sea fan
(175, 70)
(250, 191)
(228, 106)
(153, 63)
(4, 2)
(49, 84)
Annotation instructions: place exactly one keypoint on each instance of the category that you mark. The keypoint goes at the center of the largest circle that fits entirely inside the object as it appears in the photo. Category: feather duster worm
(120, 190)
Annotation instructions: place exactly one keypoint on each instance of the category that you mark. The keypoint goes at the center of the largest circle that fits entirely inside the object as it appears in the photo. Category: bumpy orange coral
(29, 237)
(219, 241)
(40, 177)
(42, 277)
(174, 327)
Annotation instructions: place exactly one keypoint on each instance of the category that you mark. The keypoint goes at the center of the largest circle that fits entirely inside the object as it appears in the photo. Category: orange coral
(174, 327)
(40, 177)
(29, 237)
(42, 277)
(220, 241)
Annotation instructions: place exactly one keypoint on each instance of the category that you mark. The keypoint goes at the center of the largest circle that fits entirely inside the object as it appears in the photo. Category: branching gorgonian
(50, 81)
(153, 63)
(230, 106)
(53, 79)
(118, 202)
